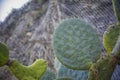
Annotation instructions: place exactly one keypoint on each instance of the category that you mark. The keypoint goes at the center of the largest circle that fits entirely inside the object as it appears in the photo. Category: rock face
(28, 31)
(19, 27)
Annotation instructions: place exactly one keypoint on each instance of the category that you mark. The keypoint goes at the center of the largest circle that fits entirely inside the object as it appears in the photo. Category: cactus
(110, 37)
(32, 72)
(75, 74)
(76, 44)
(116, 7)
(48, 75)
(63, 71)
(57, 64)
(103, 69)
(64, 78)
(4, 54)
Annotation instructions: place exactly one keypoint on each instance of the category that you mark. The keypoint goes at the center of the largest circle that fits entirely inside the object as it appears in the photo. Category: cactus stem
(116, 7)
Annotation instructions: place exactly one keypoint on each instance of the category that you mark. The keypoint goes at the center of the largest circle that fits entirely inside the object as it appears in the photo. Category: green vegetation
(75, 74)
(116, 7)
(103, 69)
(76, 44)
(48, 75)
(112, 34)
(110, 37)
(32, 72)
(4, 54)
(72, 49)
(64, 78)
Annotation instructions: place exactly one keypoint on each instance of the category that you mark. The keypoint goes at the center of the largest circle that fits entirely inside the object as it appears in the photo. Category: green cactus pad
(64, 78)
(32, 72)
(63, 71)
(75, 74)
(76, 44)
(110, 37)
(116, 7)
(48, 75)
(4, 54)
(103, 69)
(57, 64)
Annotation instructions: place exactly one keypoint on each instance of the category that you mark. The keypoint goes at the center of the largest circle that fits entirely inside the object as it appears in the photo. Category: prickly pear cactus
(110, 37)
(57, 64)
(32, 72)
(4, 54)
(48, 75)
(103, 69)
(116, 7)
(75, 74)
(28, 78)
(76, 44)
(64, 78)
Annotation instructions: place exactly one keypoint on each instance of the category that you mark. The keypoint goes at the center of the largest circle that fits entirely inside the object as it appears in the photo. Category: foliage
(110, 37)
(71, 34)
(48, 75)
(4, 54)
(116, 7)
(64, 78)
(103, 69)
(32, 72)
(75, 74)
(76, 44)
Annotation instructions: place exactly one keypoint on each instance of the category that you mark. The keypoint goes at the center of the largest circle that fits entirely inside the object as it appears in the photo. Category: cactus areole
(76, 44)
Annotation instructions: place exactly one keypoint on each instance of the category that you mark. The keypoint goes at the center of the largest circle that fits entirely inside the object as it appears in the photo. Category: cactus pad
(76, 44)
(110, 37)
(116, 7)
(57, 64)
(75, 74)
(103, 69)
(64, 78)
(32, 72)
(48, 75)
(4, 54)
